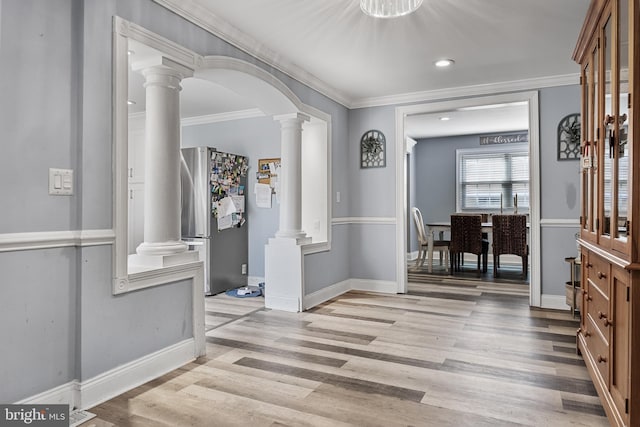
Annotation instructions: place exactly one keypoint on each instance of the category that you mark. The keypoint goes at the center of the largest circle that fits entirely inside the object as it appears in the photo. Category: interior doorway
(530, 100)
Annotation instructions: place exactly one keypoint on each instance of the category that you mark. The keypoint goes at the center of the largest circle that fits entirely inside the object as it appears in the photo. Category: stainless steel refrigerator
(214, 218)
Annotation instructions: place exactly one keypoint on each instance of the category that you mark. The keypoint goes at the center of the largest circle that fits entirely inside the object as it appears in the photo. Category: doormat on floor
(245, 292)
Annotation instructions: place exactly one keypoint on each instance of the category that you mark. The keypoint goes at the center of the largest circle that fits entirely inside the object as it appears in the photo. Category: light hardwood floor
(451, 352)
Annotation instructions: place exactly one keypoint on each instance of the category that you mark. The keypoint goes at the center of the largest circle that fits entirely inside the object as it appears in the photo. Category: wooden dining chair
(423, 241)
(510, 238)
(466, 237)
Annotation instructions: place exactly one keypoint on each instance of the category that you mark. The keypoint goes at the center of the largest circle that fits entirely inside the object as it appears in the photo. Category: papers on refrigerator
(225, 222)
(226, 207)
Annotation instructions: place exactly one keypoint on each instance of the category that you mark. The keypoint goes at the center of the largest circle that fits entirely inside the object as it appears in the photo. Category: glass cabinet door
(586, 149)
(608, 139)
(594, 102)
(621, 124)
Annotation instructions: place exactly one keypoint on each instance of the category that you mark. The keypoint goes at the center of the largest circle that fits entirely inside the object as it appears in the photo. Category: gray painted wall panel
(559, 180)
(119, 329)
(38, 313)
(372, 248)
(559, 242)
(324, 269)
(35, 125)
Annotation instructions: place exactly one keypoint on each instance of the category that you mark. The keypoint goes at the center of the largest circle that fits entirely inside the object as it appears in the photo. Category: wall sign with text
(510, 138)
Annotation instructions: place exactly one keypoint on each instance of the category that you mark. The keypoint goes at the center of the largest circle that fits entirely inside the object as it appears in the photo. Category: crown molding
(469, 91)
(222, 117)
(204, 18)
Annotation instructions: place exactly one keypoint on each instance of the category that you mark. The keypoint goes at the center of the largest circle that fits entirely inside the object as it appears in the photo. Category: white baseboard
(126, 377)
(325, 294)
(64, 393)
(254, 280)
(387, 287)
(554, 302)
(279, 302)
(340, 288)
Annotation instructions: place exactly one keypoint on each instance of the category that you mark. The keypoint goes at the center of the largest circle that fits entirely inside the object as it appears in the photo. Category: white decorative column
(284, 269)
(291, 175)
(162, 245)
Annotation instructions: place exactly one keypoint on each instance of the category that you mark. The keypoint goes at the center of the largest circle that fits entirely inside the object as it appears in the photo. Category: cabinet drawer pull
(601, 315)
(601, 275)
(607, 322)
(601, 359)
(589, 265)
(589, 297)
(586, 333)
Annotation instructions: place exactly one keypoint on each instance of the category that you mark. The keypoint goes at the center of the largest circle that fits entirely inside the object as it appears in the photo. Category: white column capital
(163, 66)
(291, 118)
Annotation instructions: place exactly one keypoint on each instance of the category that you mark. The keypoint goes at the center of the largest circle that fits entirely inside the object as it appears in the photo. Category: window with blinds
(489, 179)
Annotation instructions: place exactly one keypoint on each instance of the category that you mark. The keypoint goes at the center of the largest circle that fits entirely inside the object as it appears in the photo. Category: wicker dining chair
(466, 237)
(510, 238)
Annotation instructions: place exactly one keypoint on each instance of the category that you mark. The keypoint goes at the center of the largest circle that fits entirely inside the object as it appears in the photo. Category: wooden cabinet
(608, 51)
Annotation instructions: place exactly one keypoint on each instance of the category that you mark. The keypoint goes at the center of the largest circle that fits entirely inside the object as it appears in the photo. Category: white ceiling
(358, 60)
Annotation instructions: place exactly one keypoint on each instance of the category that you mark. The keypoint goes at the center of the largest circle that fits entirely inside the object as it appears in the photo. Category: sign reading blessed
(509, 138)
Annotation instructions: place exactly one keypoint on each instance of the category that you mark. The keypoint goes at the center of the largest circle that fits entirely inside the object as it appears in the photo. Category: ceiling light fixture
(441, 63)
(389, 8)
(444, 118)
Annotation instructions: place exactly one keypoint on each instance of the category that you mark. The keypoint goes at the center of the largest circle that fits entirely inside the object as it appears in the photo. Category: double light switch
(61, 182)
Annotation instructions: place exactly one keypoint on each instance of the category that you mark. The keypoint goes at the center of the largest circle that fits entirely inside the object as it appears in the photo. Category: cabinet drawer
(598, 349)
(597, 309)
(598, 273)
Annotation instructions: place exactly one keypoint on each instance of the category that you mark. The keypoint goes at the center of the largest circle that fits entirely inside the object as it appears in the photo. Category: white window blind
(484, 176)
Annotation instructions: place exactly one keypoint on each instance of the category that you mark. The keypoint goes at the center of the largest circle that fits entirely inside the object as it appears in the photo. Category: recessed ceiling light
(444, 63)
(131, 102)
(444, 118)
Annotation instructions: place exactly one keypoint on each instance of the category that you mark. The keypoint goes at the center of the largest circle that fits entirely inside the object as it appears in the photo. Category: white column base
(160, 261)
(284, 274)
(163, 248)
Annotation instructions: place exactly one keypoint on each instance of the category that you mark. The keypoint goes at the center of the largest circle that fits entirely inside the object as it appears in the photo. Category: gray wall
(372, 194)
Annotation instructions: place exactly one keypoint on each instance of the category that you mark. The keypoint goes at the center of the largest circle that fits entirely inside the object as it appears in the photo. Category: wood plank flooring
(451, 352)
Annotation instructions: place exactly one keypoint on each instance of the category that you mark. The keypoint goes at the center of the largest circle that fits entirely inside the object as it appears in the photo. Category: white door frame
(531, 97)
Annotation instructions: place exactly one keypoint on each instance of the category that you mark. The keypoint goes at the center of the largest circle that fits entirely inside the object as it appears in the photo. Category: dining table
(441, 227)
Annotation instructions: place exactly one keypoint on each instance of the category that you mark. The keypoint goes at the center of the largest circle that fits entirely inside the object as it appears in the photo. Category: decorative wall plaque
(373, 150)
(569, 137)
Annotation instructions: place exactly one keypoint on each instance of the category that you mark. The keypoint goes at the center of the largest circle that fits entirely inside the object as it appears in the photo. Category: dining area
(463, 244)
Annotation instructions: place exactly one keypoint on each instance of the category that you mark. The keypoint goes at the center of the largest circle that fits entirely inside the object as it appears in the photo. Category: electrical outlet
(244, 268)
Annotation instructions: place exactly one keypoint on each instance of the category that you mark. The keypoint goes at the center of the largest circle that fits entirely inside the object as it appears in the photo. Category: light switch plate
(60, 182)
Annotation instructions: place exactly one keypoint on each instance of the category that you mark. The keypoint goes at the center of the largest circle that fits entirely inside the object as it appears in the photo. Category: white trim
(314, 248)
(254, 280)
(384, 286)
(554, 302)
(469, 91)
(281, 302)
(337, 289)
(534, 184)
(61, 394)
(10, 242)
(363, 220)
(222, 117)
(325, 294)
(116, 381)
(559, 223)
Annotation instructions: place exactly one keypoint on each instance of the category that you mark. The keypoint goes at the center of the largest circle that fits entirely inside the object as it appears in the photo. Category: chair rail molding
(363, 220)
(11, 242)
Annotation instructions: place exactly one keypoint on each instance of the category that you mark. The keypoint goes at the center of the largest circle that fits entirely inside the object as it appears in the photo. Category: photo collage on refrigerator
(227, 191)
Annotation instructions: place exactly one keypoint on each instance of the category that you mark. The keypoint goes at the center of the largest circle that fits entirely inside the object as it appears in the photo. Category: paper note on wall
(263, 195)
